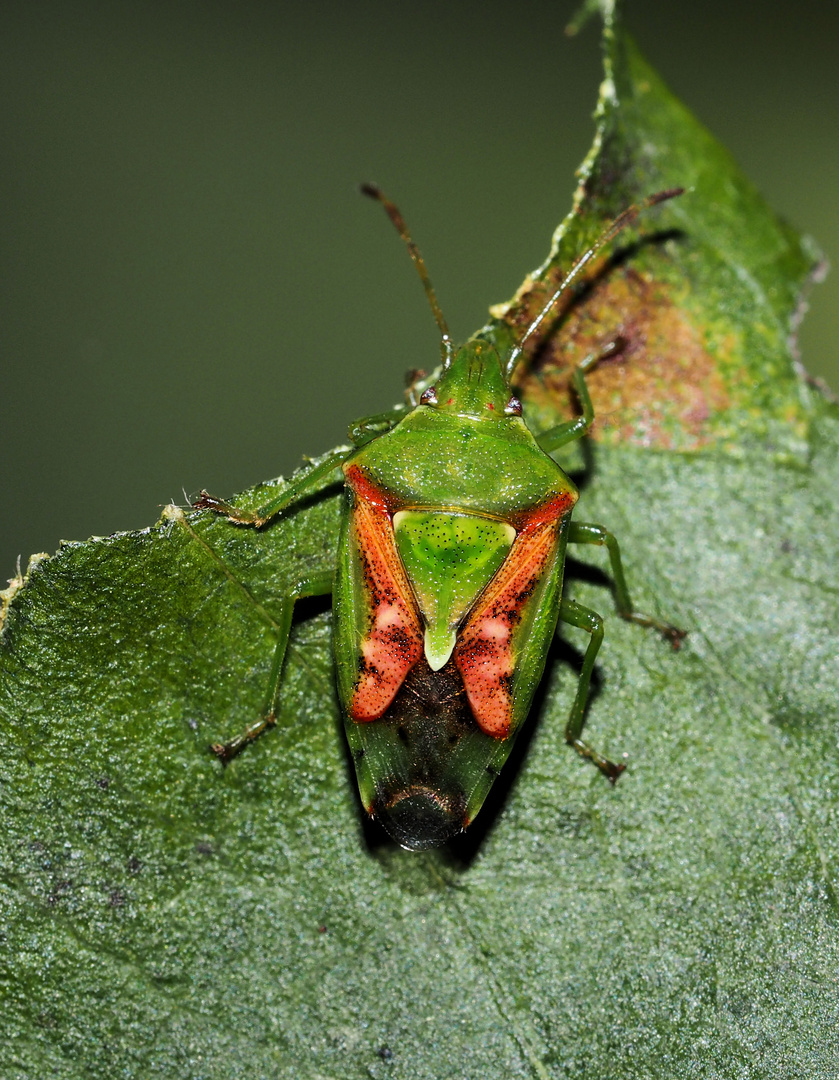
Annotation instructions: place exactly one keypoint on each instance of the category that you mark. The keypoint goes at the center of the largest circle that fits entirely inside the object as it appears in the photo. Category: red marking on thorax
(549, 511)
(365, 489)
(484, 652)
(394, 641)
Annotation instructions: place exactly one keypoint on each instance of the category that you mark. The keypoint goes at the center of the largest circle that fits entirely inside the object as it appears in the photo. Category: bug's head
(474, 382)
(473, 385)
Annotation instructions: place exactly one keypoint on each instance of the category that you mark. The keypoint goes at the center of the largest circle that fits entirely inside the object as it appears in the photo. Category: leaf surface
(162, 916)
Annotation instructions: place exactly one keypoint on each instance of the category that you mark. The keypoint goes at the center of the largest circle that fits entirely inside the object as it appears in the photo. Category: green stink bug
(448, 585)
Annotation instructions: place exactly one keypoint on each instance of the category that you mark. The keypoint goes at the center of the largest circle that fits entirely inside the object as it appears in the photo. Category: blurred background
(192, 293)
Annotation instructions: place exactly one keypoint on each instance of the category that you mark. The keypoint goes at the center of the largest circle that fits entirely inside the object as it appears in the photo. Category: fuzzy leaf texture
(162, 916)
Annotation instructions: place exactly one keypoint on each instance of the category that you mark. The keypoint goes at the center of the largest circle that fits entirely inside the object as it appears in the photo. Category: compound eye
(429, 396)
(513, 407)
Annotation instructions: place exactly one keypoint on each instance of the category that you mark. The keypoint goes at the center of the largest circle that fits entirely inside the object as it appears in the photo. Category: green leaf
(162, 916)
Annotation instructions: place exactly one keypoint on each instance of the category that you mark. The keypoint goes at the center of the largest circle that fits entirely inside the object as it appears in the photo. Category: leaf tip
(173, 513)
(16, 583)
(587, 11)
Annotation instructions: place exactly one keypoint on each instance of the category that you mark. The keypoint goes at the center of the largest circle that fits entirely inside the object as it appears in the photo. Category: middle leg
(580, 533)
(318, 584)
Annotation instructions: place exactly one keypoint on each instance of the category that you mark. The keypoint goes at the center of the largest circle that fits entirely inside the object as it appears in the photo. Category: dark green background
(192, 292)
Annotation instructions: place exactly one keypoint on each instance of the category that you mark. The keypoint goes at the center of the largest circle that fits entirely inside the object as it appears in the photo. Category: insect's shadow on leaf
(583, 477)
(575, 570)
(376, 840)
(463, 850)
(307, 607)
(621, 257)
(628, 252)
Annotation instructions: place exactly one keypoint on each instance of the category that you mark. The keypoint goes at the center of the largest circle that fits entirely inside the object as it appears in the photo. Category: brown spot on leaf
(661, 389)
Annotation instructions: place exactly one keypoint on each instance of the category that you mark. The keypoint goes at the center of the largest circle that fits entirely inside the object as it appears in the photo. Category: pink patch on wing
(394, 641)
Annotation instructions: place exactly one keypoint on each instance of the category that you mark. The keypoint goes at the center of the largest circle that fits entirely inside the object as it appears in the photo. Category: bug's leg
(371, 427)
(293, 491)
(576, 615)
(579, 533)
(319, 584)
(567, 432)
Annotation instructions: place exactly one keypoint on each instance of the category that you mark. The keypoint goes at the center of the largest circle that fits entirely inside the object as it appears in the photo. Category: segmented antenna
(621, 221)
(374, 192)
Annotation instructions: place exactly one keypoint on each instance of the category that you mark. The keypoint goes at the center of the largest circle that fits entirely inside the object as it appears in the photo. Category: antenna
(621, 221)
(375, 192)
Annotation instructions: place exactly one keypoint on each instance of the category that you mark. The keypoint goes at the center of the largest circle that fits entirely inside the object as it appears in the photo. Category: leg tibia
(576, 615)
(579, 533)
(319, 584)
(558, 436)
(371, 427)
(297, 487)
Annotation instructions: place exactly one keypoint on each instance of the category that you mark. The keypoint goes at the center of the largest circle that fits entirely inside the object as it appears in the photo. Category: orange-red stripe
(394, 641)
(484, 652)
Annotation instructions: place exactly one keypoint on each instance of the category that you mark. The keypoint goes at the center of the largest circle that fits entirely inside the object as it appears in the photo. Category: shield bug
(448, 584)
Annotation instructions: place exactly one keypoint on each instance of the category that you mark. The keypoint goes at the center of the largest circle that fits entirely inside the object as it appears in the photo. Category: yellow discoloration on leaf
(660, 389)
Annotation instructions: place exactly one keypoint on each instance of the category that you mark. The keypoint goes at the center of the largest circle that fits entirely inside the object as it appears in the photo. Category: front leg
(295, 489)
(558, 436)
(371, 427)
